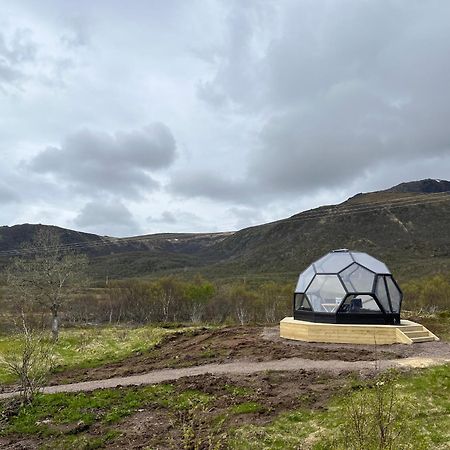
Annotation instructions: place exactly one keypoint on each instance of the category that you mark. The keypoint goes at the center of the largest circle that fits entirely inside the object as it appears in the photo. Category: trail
(242, 367)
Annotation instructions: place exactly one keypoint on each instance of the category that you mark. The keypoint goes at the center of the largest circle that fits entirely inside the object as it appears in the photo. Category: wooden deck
(406, 333)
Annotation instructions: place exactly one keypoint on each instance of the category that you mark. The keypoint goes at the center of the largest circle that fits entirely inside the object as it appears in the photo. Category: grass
(247, 408)
(428, 391)
(238, 391)
(438, 323)
(48, 413)
(94, 346)
(63, 420)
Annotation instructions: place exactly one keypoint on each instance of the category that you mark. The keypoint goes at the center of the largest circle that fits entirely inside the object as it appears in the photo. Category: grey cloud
(245, 217)
(235, 82)
(8, 195)
(118, 164)
(166, 217)
(78, 33)
(340, 88)
(15, 51)
(211, 185)
(19, 48)
(108, 217)
(174, 218)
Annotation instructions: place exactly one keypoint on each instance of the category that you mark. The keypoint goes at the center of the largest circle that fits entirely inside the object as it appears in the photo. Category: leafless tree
(31, 362)
(46, 275)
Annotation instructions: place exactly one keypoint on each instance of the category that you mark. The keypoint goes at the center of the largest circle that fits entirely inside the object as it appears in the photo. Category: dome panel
(359, 304)
(304, 279)
(334, 262)
(381, 294)
(370, 262)
(325, 293)
(357, 279)
(394, 294)
(302, 303)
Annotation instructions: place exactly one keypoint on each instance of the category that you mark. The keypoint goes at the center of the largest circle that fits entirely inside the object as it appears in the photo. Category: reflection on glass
(394, 294)
(357, 279)
(302, 303)
(325, 293)
(370, 262)
(333, 262)
(381, 294)
(304, 279)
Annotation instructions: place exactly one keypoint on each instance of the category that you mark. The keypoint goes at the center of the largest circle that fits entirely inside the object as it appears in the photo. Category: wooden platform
(406, 333)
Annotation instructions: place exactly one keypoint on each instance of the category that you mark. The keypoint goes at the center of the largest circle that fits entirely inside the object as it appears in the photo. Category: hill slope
(407, 226)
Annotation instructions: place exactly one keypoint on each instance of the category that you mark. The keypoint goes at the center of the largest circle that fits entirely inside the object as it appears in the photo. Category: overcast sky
(135, 117)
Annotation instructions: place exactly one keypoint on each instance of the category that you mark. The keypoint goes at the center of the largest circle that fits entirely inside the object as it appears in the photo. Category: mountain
(407, 229)
(428, 186)
(406, 226)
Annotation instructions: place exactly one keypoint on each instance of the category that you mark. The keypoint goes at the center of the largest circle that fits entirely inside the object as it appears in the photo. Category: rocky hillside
(407, 226)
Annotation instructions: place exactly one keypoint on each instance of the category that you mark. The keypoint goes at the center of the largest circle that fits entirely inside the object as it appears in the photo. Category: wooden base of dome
(407, 332)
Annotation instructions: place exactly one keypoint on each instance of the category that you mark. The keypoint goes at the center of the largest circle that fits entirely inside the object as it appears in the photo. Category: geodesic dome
(347, 287)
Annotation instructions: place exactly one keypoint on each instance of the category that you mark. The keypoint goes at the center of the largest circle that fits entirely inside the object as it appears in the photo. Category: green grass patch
(426, 392)
(48, 412)
(94, 346)
(247, 408)
(81, 442)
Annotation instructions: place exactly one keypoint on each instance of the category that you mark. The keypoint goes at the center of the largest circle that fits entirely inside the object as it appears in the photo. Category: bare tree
(47, 275)
(31, 362)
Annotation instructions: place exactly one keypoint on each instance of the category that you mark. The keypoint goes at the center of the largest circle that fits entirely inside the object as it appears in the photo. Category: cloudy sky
(145, 116)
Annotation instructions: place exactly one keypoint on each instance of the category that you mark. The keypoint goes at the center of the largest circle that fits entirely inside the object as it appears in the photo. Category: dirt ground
(161, 428)
(154, 426)
(275, 392)
(226, 345)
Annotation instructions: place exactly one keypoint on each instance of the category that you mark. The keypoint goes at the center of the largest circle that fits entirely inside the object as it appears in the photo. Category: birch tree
(46, 275)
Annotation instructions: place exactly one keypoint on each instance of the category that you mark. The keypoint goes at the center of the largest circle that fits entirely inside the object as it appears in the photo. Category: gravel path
(243, 367)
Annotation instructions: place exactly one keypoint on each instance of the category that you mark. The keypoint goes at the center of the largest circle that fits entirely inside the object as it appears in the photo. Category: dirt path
(236, 344)
(244, 367)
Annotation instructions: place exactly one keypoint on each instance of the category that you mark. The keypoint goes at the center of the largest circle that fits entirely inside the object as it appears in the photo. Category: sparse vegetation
(126, 320)
(413, 411)
(91, 346)
(30, 362)
(196, 418)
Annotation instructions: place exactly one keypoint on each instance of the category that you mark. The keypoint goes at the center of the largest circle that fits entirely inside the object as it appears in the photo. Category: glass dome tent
(348, 287)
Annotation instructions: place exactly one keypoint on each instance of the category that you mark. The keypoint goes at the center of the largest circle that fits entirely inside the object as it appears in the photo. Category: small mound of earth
(225, 345)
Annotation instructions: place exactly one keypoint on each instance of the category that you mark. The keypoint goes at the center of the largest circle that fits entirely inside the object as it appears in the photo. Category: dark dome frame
(347, 287)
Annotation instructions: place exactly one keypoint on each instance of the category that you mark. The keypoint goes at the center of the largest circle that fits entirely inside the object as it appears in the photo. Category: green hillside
(407, 226)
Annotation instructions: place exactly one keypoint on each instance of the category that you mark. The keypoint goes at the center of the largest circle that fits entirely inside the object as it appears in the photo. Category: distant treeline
(170, 299)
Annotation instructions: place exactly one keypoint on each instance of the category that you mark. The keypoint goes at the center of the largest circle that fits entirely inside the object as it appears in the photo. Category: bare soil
(274, 392)
(226, 345)
(296, 375)
(158, 427)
